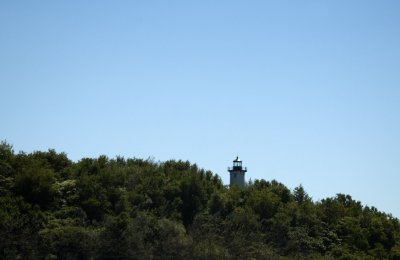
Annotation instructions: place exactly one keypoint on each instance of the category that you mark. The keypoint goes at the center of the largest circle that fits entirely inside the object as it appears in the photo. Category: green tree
(36, 185)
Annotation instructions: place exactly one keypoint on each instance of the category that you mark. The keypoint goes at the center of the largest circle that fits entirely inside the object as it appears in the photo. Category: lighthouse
(237, 173)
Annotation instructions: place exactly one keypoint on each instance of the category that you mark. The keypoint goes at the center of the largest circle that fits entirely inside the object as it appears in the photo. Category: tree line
(102, 208)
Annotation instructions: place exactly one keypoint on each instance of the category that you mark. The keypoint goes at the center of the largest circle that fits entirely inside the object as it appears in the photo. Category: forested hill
(53, 208)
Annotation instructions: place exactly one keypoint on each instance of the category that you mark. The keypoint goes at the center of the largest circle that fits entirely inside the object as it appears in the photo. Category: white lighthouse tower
(237, 173)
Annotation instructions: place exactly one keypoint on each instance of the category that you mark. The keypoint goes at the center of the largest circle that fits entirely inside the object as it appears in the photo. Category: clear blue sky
(306, 92)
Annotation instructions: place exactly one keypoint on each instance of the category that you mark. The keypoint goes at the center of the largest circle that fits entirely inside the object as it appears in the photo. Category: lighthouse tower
(237, 173)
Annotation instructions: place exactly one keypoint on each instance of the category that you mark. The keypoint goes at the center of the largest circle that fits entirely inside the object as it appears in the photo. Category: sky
(305, 92)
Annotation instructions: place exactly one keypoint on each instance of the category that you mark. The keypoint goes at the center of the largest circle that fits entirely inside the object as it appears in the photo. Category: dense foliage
(53, 208)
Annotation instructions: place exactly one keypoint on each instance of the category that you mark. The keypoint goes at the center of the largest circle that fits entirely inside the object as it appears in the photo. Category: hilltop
(102, 208)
